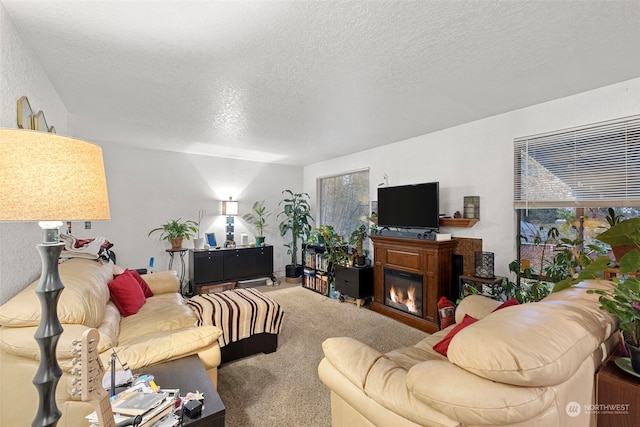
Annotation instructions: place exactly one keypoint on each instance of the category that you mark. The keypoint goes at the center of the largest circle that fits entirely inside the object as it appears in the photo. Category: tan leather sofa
(526, 365)
(163, 329)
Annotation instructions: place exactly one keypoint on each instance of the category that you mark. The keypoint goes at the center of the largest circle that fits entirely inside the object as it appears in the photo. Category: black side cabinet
(356, 282)
(208, 267)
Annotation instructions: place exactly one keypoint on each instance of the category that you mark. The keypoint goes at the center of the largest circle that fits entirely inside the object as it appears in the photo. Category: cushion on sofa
(20, 342)
(475, 306)
(162, 282)
(126, 294)
(443, 345)
(143, 285)
(473, 400)
(161, 346)
(508, 303)
(82, 301)
(163, 312)
(535, 344)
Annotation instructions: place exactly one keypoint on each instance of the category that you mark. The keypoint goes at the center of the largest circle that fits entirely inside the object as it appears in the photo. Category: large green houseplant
(335, 247)
(175, 231)
(623, 301)
(258, 219)
(296, 220)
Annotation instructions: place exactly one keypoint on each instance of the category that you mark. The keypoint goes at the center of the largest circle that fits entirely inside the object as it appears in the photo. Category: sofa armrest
(162, 282)
(475, 306)
(351, 358)
(474, 400)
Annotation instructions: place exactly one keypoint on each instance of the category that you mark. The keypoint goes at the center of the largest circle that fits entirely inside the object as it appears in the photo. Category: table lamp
(50, 178)
(230, 209)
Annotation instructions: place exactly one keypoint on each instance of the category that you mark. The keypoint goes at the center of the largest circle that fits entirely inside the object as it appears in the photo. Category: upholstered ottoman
(249, 319)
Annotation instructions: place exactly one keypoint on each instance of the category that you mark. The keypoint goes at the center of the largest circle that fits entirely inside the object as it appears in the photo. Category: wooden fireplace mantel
(431, 259)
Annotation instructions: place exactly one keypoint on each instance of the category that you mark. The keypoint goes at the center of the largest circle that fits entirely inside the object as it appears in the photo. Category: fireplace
(419, 271)
(403, 291)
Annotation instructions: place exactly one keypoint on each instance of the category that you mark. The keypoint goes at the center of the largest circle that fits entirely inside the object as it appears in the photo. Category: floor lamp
(48, 178)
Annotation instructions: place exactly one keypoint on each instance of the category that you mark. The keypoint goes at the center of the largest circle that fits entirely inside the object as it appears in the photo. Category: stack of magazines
(156, 409)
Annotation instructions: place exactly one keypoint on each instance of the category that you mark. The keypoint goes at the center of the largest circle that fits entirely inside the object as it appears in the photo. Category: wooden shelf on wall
(458, 222)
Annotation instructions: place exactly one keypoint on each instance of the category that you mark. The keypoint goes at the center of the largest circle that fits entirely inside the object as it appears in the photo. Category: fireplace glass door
(403, 291)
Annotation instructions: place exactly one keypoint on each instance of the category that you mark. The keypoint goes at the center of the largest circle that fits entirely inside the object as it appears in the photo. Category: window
(344, 201)
(565, 181)
(593, 166)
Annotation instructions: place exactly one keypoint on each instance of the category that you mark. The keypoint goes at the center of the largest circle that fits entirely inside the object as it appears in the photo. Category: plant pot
(634, 355)
(293, 270)
(198, 243)
(176, 243)
(293, 273)
(361, 260)
(620, 251)
(260, 241)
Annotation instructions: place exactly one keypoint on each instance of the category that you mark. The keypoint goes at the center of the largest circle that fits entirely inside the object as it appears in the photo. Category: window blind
(591, 166)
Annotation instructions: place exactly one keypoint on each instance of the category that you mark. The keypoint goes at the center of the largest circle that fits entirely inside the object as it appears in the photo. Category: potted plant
(175, 231)
(198, 242)
(357, 238)
(623, 301)
(296, 214)
(618, 250)
(258, 219)
(335, 249)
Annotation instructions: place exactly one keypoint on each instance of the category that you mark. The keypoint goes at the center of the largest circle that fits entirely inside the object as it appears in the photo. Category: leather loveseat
(524, 365)
(163, 328)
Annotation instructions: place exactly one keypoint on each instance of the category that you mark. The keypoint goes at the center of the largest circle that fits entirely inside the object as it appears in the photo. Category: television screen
(409, 206)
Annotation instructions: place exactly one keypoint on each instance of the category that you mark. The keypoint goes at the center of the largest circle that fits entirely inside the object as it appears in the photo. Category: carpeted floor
(283, 388)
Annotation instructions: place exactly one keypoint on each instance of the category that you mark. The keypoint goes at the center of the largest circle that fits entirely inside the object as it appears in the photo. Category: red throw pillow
(146, 290)
(126, 294)
(507, 303)
(443, 345)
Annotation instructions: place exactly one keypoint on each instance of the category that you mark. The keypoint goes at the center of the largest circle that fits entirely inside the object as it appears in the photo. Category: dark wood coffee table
(188, 374)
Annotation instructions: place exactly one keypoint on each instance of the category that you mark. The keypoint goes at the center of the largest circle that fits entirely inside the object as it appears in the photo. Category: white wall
(20, 75)
(147, 188)
(476, 159)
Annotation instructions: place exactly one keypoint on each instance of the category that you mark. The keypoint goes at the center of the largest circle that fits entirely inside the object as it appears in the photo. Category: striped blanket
(240, 313)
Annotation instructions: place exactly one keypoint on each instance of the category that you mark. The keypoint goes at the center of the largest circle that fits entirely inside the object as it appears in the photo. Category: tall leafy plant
(258, 217)
(336, 249)
(296, 219)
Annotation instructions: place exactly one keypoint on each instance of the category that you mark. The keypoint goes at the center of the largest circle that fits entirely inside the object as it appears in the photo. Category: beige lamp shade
(49, 177)
(229, 207)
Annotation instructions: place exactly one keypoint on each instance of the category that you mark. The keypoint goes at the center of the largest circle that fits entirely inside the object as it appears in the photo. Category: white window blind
(590, 166)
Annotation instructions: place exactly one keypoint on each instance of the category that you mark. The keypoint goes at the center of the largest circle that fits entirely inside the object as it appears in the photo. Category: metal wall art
(28, 120)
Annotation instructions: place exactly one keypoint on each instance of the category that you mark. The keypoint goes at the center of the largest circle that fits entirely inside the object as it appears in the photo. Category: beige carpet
(283, 388)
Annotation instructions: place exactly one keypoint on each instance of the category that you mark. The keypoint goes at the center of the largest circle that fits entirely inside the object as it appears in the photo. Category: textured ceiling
(295, 82)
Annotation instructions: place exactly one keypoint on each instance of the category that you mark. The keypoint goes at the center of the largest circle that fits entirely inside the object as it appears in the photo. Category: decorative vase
(634, 355)
(176, 243)
(259, 241)
(198, 243)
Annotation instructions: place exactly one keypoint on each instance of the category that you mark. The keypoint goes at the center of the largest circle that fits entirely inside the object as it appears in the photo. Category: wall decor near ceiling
(28, 120)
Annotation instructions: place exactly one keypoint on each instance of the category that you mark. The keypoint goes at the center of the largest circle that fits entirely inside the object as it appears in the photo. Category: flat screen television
(409, 206)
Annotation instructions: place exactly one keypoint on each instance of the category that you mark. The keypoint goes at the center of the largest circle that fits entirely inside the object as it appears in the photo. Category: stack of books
(156, 409)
